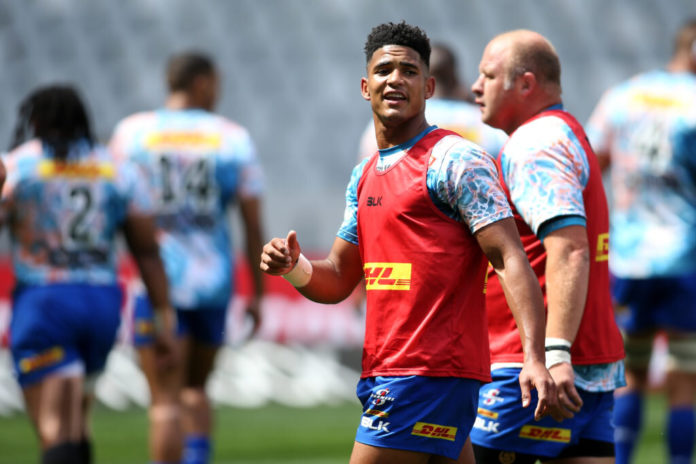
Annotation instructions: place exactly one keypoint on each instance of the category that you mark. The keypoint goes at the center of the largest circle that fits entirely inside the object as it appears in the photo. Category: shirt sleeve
(349, 227)
(239, 156)
(599, 127)
(463, 179)
(546, 171)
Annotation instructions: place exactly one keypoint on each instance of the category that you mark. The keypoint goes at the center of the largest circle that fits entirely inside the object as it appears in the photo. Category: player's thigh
(203, 329)
(368, 454)
(56, 408)
(165, 384)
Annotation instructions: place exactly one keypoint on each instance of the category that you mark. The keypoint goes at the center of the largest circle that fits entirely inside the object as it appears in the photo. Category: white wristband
(557, 351)
(301, 274)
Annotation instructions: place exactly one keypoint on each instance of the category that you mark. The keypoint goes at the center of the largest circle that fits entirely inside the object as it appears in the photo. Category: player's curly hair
(183, 68)
(398, 34)
(56, 115)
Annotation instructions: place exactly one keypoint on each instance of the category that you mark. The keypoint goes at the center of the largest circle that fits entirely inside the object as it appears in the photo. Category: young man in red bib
(424, 216)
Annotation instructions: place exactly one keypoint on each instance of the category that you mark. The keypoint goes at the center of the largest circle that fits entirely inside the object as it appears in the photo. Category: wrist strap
(301, 274)
(557, 351)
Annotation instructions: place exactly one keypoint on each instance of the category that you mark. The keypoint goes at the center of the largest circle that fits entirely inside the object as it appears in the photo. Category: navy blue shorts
(57, 325)
(657, 303)
(205, 325)
(430, 415)
(503, 424)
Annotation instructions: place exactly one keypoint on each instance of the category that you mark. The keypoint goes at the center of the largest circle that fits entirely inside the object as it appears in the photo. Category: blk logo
(374, 201)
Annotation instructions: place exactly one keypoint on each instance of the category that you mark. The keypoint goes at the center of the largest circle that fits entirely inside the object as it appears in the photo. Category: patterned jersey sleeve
(239, 155)
(546, 170)
(599, 127)
(349, 228)
(133, 188)
(463, 178)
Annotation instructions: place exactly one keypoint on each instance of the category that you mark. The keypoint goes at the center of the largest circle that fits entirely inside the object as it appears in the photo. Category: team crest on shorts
(507, 457)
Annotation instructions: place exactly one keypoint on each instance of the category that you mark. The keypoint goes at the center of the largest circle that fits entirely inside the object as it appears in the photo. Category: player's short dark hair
(398, 34)
(184, 68)
(54, 114)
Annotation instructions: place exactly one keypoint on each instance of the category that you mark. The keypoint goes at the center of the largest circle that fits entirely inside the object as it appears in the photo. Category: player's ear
(429, 87)
(528, 82)
(364, 90)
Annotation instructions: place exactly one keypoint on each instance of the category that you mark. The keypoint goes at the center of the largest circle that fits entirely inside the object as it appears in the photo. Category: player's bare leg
(57, 409)
(165, 436)
(367, 454)
(197, 417)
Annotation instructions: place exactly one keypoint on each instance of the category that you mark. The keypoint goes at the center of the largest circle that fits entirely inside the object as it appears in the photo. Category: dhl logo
(387, 276)
(51, 168)
(377, 412)
(46, 358)
(487, 413)
(423, 429)
(602, 247)
(545, 433)
(172, 140)
(657, 101)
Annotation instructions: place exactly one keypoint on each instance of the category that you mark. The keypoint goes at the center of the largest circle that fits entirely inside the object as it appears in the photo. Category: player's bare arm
(501, 244)
(331, 279)
(250, 209)
(567, 275)
(139, 232)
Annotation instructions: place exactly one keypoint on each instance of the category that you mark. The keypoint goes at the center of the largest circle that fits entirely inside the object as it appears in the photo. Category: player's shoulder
(547, 127)
(138, 119)
(29, 149)
(233, 128)
(455, 147)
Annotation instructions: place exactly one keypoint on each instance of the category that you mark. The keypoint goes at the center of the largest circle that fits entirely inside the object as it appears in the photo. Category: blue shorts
(503, 424)
(426, 414)
(657, 303)
(205, 325)
(57, 325)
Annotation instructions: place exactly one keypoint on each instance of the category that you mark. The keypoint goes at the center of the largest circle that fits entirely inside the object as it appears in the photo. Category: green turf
(270, 435)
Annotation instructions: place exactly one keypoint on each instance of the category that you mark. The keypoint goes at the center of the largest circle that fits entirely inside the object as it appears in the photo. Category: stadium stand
(291, 69)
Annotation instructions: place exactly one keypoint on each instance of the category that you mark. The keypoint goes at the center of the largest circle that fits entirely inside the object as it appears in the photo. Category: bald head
(529, 51)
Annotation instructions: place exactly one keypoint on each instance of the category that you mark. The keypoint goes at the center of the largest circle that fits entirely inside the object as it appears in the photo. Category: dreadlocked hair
(55, 115)
(398, 34)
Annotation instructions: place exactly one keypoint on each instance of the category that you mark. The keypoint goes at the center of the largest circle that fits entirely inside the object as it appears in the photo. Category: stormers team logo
(381, 396)
(387, 276)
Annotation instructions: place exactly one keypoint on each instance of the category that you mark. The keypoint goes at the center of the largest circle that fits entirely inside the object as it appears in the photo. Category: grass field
(270, 435)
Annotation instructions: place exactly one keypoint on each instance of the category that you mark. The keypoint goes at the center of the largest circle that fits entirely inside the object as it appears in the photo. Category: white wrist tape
(557, 351)
(301, 274)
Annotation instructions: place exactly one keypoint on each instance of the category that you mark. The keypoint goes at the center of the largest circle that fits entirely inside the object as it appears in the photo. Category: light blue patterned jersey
(546, 170)
(462, 180)
(197, 164)
(64, 216)
(648, 126)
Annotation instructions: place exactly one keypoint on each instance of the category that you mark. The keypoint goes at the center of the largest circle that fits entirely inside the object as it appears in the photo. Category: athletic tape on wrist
(301, 274)
(557, 351)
